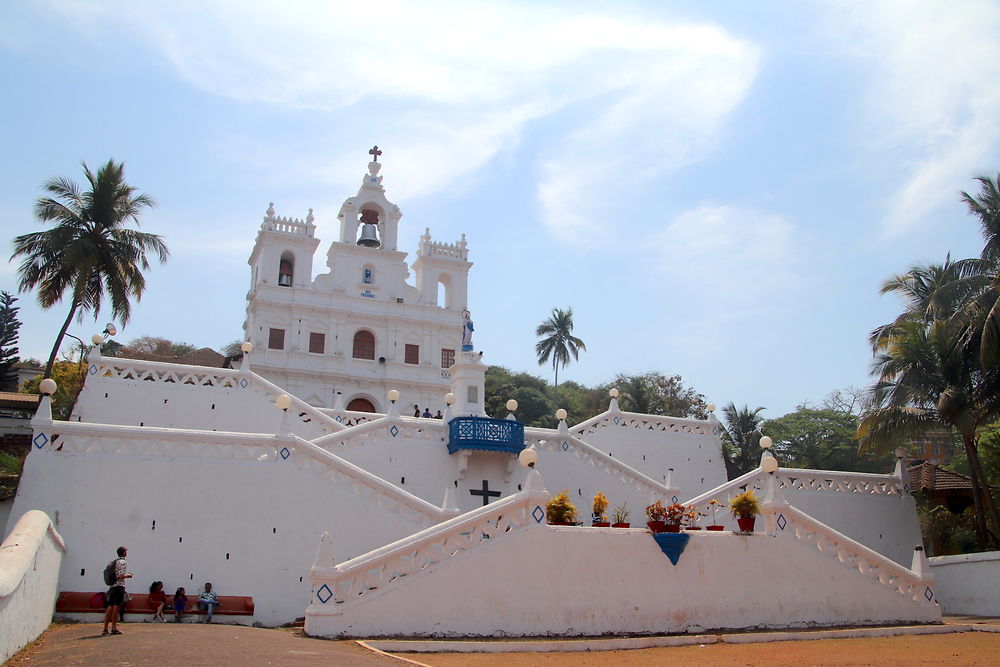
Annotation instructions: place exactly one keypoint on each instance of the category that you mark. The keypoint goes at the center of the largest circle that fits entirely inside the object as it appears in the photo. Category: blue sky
(716, 189)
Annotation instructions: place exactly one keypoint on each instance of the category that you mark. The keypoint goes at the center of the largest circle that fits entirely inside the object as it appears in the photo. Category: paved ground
(189, 644)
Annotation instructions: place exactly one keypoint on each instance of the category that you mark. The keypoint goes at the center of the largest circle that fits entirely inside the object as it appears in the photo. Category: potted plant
(674, 517)
(691, 518)
(713, 505)
(560, 511)
(745, 508)
(654, 517)
(600, 519)
(620, 516)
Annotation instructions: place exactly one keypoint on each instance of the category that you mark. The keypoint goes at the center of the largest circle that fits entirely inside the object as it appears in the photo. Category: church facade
(343, 339)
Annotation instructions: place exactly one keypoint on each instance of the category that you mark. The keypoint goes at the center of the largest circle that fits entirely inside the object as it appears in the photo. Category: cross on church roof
(375, 152)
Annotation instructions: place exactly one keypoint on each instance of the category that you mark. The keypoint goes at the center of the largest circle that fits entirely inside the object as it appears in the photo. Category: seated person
(180, 602)
(157, 600)
(208, 601)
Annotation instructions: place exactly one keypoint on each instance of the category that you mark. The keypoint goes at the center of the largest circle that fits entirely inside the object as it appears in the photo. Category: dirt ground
(188, 645)
(954, 650)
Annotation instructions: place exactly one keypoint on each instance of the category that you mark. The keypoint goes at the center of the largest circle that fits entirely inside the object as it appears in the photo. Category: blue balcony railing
(496, 435)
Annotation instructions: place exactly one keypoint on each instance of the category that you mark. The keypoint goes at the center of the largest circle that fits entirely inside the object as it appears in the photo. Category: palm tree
(559, 342)
(89, 251)
(982, 312)
(927, 380)
(742, 435)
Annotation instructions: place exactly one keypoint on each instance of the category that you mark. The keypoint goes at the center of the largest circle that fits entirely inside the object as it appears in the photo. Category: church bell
(368, 237)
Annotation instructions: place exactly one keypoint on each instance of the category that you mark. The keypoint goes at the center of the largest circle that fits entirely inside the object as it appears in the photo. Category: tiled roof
(930, 477)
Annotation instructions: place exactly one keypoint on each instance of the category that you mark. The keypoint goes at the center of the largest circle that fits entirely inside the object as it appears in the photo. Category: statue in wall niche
(467, 329)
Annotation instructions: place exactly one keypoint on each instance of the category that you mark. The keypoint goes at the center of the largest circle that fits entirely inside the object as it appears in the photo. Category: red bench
(70, 602)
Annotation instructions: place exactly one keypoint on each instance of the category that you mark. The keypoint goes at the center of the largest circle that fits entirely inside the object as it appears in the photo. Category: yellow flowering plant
(600, 506)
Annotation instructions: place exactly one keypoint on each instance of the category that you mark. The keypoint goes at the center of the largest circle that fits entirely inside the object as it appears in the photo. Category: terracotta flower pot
(692, 528)
(656, 526)
(672, 528)
(601, 524)
(621, 525)
(747, 524)
(715, 528)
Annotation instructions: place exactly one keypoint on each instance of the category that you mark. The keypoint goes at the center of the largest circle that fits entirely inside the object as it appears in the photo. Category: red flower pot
(601, 524)
(746, 525)
(656, 526)
(672, 528)
(620, 525)
(715, 528)
(693, 528)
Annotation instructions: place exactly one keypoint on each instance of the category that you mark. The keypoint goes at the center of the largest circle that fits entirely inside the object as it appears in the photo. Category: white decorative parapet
(915, 583)
(968, 583)
(800, 479)
(277, 223)
(430, 248)
(553, 440)
(29, 571)
(350, 417)
(338, 588)
(616, 418)
(154, 442)
(203, 376)
(382, 429)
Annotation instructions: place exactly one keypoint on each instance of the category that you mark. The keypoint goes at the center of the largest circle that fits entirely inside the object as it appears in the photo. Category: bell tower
(375, 216)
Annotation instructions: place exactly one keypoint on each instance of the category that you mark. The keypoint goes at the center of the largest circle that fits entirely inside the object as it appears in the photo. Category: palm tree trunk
(979, 479)
(59, 339)
(982, 536)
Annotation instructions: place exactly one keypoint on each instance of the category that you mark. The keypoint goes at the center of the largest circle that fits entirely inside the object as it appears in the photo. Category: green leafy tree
(656, 393)
(821, 439)
(534, 407)
(558, 342)
(9, 326)
(741, 439)
(69, 376)
(90, 252)
(155, 346)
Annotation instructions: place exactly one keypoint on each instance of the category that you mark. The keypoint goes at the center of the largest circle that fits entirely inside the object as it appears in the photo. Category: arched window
(286, 269)
(360, 405)
(444, 291)
(364, 345)
(368, 275)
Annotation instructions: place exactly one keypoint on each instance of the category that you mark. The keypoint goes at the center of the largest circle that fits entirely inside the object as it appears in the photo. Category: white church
(303, 479)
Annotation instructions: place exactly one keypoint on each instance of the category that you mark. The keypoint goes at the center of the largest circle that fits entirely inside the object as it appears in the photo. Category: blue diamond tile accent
(617, 420)
(538, 514)
(340, 420)
(782, 522)
(324, 594)
(41, 440)
(394, 431)
(715, 430)
(906, 488)
(285, 453)
(674, 499)
(565, 446)
(93, 369)
(928, 594)
(244, 383)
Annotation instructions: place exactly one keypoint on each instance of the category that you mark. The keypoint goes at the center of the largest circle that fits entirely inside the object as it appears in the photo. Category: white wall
(593, 581)
(968, 583)
(248, 527)
(29, 568)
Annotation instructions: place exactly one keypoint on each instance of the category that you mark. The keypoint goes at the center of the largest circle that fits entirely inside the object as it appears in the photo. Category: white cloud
(447, 86)
(717, 250)
(935, 94)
